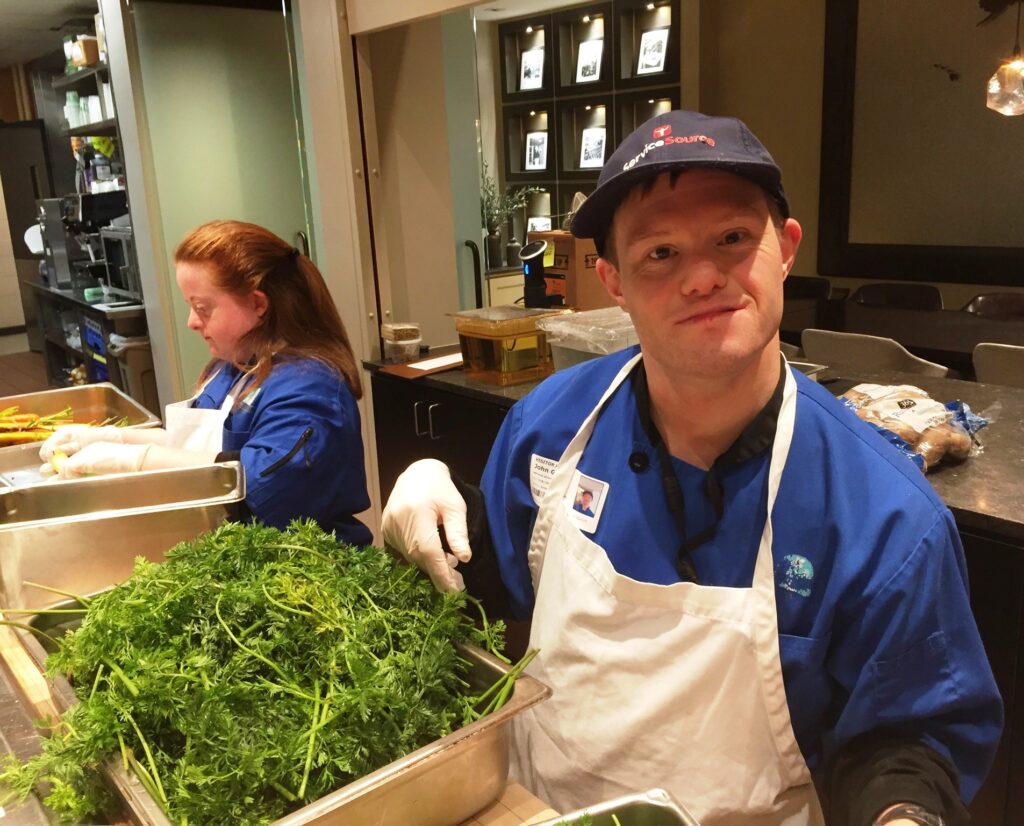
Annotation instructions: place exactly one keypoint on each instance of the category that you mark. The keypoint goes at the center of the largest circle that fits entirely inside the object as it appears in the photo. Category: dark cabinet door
(996, 571)
(413, 422)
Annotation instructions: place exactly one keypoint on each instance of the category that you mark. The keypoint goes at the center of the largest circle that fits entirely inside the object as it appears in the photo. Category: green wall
(218, 100)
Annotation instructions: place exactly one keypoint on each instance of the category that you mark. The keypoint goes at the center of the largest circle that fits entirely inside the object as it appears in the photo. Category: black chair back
(1001, 306)
(904, 296)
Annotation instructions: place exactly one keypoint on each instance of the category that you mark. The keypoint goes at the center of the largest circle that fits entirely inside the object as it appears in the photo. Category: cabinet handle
(430, 421)
(416, 419)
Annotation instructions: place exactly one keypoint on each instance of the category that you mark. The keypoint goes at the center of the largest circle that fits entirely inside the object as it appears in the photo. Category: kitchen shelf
(101, 127)
(57, 342)
(82, 79)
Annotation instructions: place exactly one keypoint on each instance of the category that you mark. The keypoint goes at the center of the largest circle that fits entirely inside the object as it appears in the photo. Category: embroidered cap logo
(662, 131)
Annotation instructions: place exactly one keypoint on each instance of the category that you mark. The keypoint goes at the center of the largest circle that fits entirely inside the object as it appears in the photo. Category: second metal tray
(655, 807)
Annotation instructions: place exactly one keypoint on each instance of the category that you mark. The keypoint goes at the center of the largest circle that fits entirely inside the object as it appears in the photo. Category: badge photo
(586, 497)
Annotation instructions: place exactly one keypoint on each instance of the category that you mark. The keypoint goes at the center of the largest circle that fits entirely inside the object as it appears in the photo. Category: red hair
(301, 320)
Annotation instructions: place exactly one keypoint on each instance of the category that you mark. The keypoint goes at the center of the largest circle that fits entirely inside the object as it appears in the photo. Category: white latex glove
(70, 438)
(423, 498)
(103, 457)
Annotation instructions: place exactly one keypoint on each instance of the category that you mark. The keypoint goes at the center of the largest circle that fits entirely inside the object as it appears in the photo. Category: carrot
(21, 437)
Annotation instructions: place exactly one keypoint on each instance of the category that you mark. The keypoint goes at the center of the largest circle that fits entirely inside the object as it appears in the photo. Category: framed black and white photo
(538, 223)
(531, 69)
(592, 148)
(653, 47)
(588, 61)
(536, 151)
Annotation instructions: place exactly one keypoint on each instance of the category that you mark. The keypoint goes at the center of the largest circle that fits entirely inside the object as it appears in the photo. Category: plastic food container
(504, 345)
(399, 330)
(581, 336)
(406, 350)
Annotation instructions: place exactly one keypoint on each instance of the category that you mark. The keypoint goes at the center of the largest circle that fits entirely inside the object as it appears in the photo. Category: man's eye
(733, 237)
(660, 253)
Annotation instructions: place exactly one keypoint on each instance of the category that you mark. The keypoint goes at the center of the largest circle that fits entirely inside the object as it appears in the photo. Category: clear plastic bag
(926, 431)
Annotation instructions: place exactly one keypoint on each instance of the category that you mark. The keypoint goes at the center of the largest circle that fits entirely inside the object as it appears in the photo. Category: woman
(279, 394)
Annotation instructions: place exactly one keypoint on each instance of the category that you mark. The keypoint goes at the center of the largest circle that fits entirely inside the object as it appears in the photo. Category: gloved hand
(71, 438)
(100, 458)
(423, 498)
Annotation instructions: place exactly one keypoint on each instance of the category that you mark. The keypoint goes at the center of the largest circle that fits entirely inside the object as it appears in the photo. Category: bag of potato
(926, 430)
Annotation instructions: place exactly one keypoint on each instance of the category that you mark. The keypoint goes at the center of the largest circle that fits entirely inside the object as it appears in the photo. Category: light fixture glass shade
(1006, 88)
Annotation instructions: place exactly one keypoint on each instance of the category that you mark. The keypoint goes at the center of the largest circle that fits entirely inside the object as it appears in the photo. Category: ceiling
(32, 28)
(494, 10)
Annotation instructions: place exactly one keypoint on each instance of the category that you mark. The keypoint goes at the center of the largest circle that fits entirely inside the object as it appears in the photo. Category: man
(770, 593)
(583, 506)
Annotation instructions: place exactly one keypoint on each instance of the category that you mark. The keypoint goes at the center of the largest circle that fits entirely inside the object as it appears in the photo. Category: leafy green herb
(254, 671)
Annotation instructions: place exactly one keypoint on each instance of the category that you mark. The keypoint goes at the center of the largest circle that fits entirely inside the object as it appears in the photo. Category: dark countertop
(112, 306)
(985, 492)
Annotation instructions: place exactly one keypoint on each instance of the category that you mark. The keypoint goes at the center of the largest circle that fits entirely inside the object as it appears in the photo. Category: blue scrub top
(875, 624)
(300, 442)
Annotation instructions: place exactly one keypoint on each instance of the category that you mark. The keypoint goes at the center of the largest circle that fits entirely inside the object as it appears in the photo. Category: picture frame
(531, 69)
(592, 148)
(538, 223)
(536, 159)
(588, 61)
(653, 48)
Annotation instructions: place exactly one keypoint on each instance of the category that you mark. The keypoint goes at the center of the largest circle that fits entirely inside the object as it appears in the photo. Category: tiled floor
(21, 371)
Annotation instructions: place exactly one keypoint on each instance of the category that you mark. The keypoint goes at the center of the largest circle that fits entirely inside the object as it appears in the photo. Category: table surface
(515, 807)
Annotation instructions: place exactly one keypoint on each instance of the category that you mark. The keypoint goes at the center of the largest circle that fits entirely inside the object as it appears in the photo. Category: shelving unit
(104, 127)
(84, 79)
(609, 65)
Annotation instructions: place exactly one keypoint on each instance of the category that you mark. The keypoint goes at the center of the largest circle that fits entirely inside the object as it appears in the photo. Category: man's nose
(702, 276)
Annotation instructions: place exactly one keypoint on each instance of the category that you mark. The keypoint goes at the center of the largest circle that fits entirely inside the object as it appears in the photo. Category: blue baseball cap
(670, 142)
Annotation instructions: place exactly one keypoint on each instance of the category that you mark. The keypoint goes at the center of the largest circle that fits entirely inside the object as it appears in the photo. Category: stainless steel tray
(655, 807)
(82, 535)
(441, 784)
(19, 464)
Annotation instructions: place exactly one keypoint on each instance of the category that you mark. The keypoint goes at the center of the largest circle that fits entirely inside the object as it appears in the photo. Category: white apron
(678, 687)
(192, 428)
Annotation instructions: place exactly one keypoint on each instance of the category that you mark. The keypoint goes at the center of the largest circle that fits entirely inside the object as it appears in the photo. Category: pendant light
(1006, 86)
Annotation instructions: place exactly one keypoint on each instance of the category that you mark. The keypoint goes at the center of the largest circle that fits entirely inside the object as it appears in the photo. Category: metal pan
(443, 783)
(82, 535)
(655, 807)
(19, 464)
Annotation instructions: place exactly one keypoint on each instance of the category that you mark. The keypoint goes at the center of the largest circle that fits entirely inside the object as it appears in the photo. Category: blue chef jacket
(875, 625)
(300, 442)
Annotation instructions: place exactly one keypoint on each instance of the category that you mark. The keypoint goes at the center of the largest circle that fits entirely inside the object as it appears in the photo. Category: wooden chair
(999, 364)
(868, 352)
(903, 296)
(1000, 306)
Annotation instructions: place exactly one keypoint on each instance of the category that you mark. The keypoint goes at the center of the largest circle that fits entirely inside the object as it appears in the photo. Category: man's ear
(789, 242)
(609, 275)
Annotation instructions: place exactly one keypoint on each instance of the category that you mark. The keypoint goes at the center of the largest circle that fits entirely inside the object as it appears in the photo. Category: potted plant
(496, 207)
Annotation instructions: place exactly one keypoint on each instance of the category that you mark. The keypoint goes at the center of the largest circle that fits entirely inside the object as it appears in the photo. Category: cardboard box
(570, 268)
(85, 51)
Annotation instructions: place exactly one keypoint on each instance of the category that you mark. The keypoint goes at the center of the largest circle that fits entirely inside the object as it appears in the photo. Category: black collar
(756, 438)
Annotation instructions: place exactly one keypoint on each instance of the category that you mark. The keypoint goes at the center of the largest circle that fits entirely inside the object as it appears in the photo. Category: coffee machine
(70, 227)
